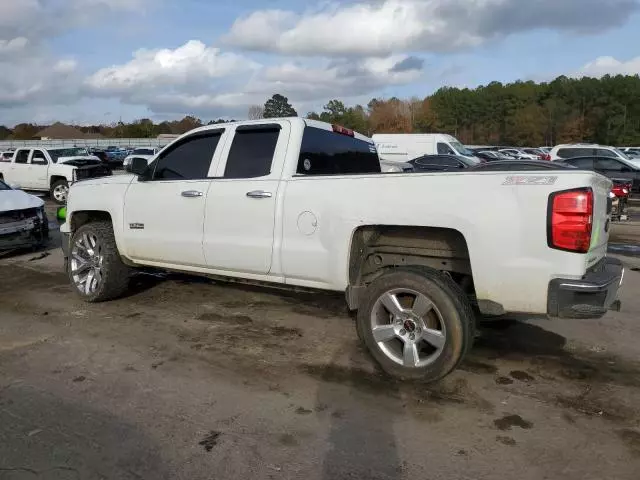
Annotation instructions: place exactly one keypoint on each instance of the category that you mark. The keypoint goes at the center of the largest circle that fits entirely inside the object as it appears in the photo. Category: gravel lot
(192, 379)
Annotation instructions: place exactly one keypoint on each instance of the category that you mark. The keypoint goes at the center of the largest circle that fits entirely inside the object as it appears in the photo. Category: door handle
(191, 193)
(259, 194)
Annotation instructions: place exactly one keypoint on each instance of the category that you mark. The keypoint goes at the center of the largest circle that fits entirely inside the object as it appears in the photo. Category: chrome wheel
(60, 192)
(408, 327)
(86, 263)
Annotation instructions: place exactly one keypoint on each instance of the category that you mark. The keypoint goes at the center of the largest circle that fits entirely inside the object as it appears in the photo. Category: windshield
(461, 149)
(56, 153)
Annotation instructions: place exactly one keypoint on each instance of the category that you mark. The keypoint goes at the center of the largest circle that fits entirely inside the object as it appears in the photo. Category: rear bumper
(590, 297)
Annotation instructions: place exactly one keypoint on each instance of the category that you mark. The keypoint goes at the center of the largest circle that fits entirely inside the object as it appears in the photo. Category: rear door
(241, 203)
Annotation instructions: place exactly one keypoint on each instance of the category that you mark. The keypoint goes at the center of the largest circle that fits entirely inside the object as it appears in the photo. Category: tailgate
(601, 219)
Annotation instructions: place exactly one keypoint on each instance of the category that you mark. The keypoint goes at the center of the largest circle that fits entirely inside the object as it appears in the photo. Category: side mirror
(138, 166)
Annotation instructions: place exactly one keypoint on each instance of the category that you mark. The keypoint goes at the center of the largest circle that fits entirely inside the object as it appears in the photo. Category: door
(19, 173)
(164, 210)
(241, 204)
(38, 170)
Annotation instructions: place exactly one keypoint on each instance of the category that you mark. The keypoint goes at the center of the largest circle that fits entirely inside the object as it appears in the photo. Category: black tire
(53, 194)
(452, 304)
(115, 274)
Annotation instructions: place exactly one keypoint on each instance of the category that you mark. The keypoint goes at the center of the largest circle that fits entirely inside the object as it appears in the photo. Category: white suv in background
(561, 152)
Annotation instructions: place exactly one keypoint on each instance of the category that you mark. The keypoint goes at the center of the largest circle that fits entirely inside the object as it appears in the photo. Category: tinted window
(608, 164)
(22, 156)
(188, 160)
(436, 162)
(444, 149)
(251, 153)
(574, 152)
(606, 153)
(584, 163)
(142, 151)
(324, 152)
(38, 158)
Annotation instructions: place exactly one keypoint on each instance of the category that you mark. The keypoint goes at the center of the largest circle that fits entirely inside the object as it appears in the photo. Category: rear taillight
(545, 156)
(570, 220)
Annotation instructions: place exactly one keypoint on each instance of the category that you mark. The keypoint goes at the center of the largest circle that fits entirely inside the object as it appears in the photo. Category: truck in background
(403, 147)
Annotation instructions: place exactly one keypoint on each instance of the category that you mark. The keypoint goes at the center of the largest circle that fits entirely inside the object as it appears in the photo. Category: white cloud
(383, 27)
(195, 78)
(191, 64)
(609, 66)
(29, 73)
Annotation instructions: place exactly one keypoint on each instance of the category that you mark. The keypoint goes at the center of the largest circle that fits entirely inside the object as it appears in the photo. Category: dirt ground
(187, 378)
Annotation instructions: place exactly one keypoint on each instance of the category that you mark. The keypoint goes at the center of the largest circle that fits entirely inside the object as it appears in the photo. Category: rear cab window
(327, 152)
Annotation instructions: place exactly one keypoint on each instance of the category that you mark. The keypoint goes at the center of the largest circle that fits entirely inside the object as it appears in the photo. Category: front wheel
(416, 323)
(95, 267)
(60, 191)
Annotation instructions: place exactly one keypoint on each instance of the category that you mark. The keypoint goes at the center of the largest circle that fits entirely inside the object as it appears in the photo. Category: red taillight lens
(545, 156)
(571, 220)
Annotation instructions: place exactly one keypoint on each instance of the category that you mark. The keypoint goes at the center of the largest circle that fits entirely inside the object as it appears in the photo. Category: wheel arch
(376, 249)
(78, 218)
(56, 178)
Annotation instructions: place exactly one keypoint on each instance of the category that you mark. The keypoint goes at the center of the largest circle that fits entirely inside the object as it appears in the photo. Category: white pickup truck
(51, 169)
(302, 203)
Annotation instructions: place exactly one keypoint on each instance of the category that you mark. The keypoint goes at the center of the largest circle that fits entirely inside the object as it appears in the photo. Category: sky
(99, 61)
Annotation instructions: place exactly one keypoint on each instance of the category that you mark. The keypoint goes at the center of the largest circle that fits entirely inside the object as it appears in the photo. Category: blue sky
(95, 61)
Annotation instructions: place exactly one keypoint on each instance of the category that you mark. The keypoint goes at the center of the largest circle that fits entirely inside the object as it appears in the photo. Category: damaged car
(23, 221)
(52, 169)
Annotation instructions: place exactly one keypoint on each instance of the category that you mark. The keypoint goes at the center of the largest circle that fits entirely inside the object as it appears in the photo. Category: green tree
(278, 106)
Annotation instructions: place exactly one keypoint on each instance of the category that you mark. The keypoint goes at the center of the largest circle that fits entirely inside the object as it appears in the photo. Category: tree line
(565, 110)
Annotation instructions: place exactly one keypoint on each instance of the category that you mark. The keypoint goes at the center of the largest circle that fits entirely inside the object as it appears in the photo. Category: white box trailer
(403, 147)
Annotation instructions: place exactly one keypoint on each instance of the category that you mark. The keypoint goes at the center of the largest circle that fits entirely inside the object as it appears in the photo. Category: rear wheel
(416, 323)
(59, 191)
(95, 267)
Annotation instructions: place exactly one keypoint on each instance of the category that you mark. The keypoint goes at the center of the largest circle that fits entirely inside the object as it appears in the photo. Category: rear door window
(324, 152)
(22, 156)
(252, 151)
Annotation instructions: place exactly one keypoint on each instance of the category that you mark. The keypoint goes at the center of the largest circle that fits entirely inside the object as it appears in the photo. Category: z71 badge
(530, 180)
(136, 226)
